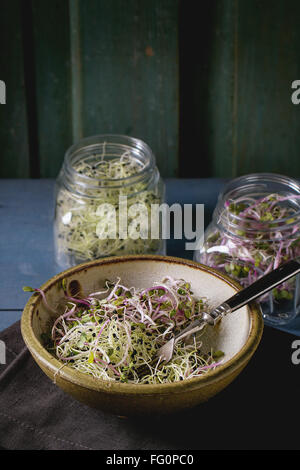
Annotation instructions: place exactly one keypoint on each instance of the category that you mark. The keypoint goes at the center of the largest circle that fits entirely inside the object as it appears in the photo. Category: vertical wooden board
(129, 72)
(206, 88)
(239, 98)
(53, 82)
(267, 63)
(14, 155)
(223, 97)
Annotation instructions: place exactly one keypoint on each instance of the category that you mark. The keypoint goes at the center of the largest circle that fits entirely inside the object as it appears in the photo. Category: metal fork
(243, 297)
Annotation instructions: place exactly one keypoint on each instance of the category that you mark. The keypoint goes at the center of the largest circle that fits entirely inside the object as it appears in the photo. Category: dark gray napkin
(254, 412)
(36, 414)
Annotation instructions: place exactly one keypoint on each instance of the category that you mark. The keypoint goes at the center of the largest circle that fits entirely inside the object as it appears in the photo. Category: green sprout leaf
(28, 289)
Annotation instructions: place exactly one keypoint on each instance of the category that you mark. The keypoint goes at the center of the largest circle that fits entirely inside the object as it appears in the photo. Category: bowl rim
(40, 354)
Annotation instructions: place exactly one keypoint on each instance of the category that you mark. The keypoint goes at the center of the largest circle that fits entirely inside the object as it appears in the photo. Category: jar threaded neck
(88, 165)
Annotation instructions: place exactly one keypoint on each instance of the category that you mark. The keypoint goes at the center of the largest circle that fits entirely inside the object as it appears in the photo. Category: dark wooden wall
(206, 84)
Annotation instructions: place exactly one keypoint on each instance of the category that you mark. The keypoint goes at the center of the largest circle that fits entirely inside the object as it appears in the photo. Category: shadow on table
(257, 411)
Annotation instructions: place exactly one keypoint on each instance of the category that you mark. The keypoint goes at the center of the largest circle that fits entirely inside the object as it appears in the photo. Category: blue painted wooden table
(263, 401)
(26, 240)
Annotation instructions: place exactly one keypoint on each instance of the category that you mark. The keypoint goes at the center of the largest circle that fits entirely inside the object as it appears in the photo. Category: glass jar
(103, 194)
(255, 228)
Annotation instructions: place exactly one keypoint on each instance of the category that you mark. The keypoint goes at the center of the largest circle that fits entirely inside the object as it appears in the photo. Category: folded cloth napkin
(36, 414)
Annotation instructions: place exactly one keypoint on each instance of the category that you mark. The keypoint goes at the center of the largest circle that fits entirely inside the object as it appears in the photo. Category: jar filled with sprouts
(105, 194)
(255, 229)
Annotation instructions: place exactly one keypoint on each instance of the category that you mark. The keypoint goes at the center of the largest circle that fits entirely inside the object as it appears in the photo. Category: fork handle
(258, 288)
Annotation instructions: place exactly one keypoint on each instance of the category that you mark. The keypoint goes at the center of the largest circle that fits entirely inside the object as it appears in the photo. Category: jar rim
(116, 139)
(250, 180)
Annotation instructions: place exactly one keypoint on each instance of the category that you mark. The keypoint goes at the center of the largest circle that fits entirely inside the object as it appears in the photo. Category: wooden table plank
(8, 317)
(26, 240)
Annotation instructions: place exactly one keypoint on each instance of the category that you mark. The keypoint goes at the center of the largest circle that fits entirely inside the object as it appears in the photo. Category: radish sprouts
(253, 236)
(114, 331)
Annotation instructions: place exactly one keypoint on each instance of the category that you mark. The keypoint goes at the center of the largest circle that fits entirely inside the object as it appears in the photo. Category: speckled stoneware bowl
(238, 334)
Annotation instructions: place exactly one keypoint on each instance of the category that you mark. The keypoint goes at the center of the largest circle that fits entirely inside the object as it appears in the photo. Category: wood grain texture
(76, 70)
(14, 155)
(207, 98)
(53, 82)
(239, 95)
(129, 73)
(209, 90)
(267, 62)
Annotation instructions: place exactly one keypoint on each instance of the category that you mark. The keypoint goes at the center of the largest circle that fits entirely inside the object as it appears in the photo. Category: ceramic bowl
(237, 335)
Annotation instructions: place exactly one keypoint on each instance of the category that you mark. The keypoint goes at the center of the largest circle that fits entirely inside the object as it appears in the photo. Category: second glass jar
(255, 228)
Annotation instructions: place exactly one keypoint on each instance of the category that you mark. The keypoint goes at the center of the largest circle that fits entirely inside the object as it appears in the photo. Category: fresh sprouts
(110, 333)
(258, 235)
(98, 182)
